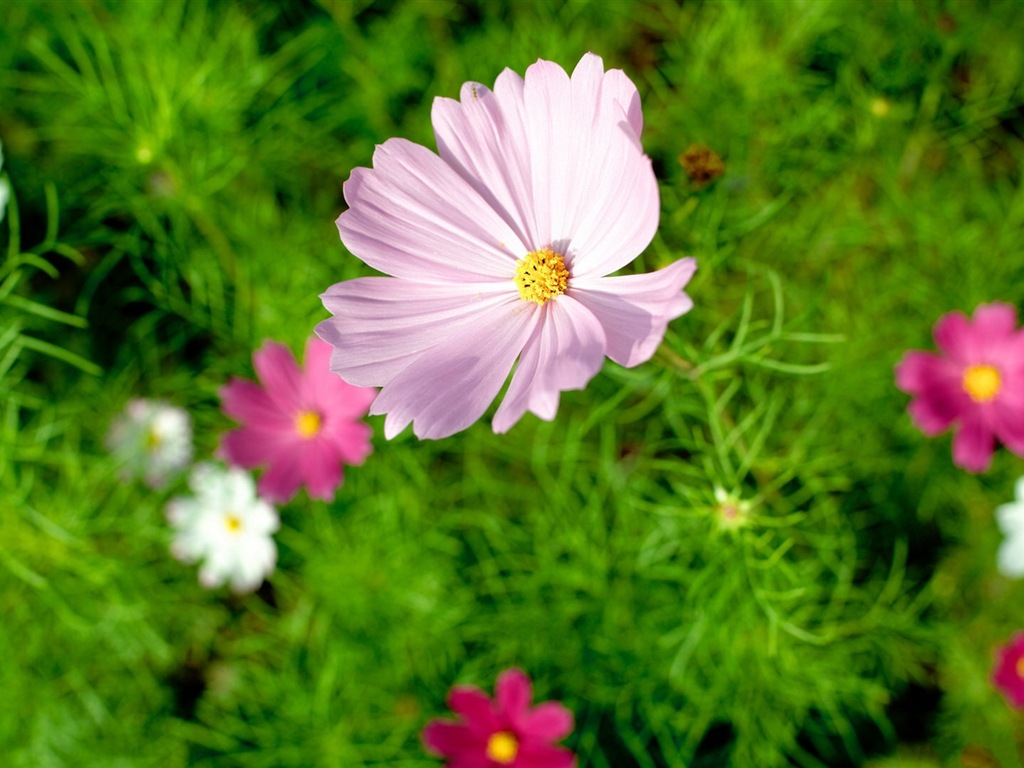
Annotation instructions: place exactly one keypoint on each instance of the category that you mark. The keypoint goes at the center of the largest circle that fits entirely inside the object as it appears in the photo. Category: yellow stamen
(982, 382)
(153, 440)
(307, 424)
(541, 275)
(502, 747)
(1020, 667)
(233, 522)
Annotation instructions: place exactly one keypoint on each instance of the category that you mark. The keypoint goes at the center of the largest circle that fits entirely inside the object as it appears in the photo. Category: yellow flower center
(153, 440)
(982, 382)
(233, 522)
(502, 747)
(307, 424)
(541, 275)
(1020, 667)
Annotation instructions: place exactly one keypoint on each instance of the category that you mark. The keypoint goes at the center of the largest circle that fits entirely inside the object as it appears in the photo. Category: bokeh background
(176, 170)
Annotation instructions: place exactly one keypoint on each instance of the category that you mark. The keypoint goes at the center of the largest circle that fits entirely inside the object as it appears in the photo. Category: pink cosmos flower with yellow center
(504, 733)
(1008, 675)
(304, 425)
(976, 385)
(498, 250)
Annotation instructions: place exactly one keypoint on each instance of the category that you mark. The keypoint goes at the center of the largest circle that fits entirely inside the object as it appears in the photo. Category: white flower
(152, 440)
(226, 526)
(731, 511)
(1011, 521)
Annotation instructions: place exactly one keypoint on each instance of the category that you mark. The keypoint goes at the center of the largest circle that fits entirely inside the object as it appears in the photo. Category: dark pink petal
(973, 444)
(512, 694)
(321, 469)
(328, 393)
(954, 336)
(635, 310)
(250, 447)
(918, 371)
(475, 708)
(448, 388)
(282, 379)
(993, 325)
(549, 721)
(1007, 422)
(284, 477)
(381, 324)
(351, 440)
(449, 739)
(412, 216)
(935, 414)
(246, 402)
(1006, 675)
(565, 352)
(533, 755)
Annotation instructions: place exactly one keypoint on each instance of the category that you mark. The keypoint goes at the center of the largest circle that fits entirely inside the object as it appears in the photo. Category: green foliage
(176, 167)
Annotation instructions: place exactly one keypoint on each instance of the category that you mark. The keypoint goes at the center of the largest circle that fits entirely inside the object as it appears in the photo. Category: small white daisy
(226, 526)
(1011, 521)
(152, 440)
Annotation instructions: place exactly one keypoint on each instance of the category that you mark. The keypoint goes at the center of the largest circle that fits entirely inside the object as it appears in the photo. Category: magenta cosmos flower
(1008, 675)
(976, 385)
(499, 249)
(302, 425)
(504, 733)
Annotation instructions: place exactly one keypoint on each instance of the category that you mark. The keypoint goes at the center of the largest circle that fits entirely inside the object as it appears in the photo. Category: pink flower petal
(321, 469)
(245, 401)
(327, 392)
(973, 444)
(351, 440)
(590, 175)
(276, 367)
(448, 388)
(282, 480)
(994, 324)
(413, 216)
(1007, 422)
(486, 144)
(475, 708)
(533, 755)
(251, 447)
(549, 721)
(953, 336)
(635, 310)
(513, 693)
(565, 352)
(381, 324)
(918, 371)
(449, 739)
(933, 415)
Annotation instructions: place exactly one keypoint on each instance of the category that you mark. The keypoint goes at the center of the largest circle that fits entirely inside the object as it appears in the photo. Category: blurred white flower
(226, 526)
(5, 188)
(152, 440)
(731, 511)
(1011, 521)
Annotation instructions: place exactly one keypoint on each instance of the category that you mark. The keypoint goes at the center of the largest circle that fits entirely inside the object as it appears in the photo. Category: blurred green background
(176, 170)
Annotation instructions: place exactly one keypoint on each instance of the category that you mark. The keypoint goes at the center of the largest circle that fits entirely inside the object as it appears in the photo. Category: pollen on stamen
(233, 523)
(982, 382)
(307, 424)
(502, 747)
(541, 275)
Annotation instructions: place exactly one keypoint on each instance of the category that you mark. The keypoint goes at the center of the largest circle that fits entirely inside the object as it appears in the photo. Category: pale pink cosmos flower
(504, 733)
(498, 250)
(975, 386)
(1008, 675)
(301, 424)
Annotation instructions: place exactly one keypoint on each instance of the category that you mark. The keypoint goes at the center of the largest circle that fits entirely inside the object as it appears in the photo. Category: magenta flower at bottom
(1008, 676)
(975, 386)
(303, 425)
(504, 733)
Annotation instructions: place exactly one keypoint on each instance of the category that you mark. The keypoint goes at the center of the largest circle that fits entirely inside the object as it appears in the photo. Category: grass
(176, 169)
